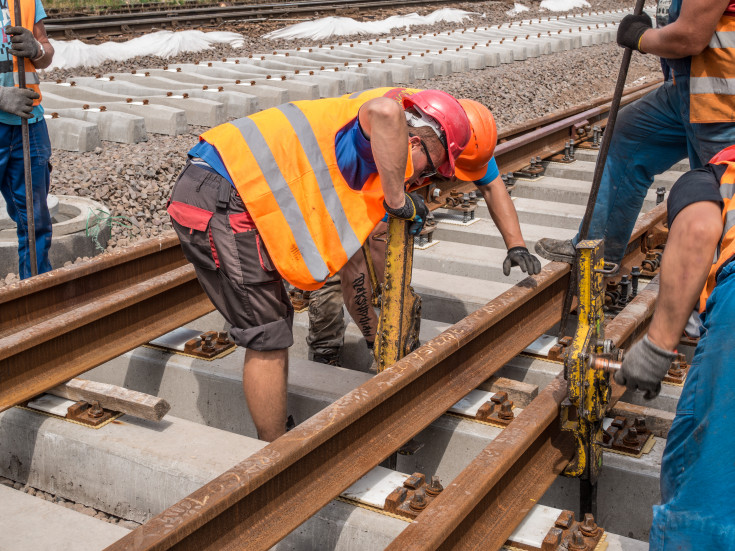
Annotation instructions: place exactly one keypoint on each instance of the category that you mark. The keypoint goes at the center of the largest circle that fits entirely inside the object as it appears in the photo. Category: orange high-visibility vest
(28, 16)
(712, 77)
(284, 165)
(727, 243)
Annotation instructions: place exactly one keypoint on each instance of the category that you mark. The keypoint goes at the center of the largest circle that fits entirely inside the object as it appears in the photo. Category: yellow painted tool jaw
(588, 389)
(400, 315)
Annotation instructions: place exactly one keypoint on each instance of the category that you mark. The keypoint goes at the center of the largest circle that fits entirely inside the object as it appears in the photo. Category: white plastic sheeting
(322, 29)
(563, 5)
(75, 53)
(517, 8)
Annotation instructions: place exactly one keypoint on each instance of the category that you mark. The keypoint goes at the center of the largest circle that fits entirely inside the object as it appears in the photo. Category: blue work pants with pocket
(12, 186)
(698, 466)
(651, 135)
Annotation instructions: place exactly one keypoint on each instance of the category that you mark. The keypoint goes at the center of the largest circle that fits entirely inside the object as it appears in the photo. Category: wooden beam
(113, 397)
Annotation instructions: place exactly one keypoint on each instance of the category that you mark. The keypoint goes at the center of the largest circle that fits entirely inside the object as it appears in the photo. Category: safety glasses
(430, 169)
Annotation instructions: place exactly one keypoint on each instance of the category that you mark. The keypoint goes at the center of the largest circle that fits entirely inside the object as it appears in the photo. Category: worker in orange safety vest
(292, 192)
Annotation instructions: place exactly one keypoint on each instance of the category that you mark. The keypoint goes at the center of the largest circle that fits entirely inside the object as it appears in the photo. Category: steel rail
(261, 500)
(487, 500)
(40, 348)
(93, 24)
(58, 325)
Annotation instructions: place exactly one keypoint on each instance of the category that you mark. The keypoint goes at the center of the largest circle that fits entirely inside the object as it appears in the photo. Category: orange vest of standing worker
(727, 244)
(712, 84)
(28, 16)
(284, 165)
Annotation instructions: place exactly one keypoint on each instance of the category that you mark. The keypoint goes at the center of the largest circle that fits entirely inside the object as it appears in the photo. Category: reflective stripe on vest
(712, 81)
(28, 16)
(726, 248)
(283, 163)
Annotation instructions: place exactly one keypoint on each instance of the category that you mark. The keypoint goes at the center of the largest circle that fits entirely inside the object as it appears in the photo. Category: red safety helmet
(471, 165)
(727, 154)
(435, 106)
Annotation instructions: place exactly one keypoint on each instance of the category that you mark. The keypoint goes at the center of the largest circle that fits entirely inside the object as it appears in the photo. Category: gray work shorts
(219, 238)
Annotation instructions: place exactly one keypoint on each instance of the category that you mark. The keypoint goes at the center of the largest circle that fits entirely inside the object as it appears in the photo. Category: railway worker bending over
(692, 114)
(25, 40)
(351, 286)
(275, 195)
(697, 470)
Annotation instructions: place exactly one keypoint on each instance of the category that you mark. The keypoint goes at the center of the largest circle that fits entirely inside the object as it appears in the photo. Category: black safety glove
(631, 29)
(519, 256)
(17, 101)
(414, 209)
(644, 367)
(23, 42)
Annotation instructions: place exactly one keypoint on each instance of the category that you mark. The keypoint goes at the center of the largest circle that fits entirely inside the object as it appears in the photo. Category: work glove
(519, 256)
(17, 101)
(414, 210)
(23, 42)
(631, 30)
(644, 367)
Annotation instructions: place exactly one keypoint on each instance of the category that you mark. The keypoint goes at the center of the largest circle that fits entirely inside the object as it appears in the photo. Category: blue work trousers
(650, 136)
(698, 466)
(12, 186)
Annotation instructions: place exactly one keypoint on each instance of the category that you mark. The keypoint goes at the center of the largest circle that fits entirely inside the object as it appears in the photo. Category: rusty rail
(258, 502)
(487, 500)
(58, 325)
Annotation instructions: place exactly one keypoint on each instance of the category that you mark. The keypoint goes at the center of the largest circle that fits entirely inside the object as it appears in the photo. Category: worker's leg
(13, 190)
(326, 323)
(264, 378)
(237, 274)
(649, 138)
(698, 471)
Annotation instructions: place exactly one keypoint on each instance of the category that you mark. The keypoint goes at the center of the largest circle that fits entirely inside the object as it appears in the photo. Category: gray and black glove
(414, 210)
(17, 101)
(23, 42)
(644, 367)
(519, 256)
(631, 30)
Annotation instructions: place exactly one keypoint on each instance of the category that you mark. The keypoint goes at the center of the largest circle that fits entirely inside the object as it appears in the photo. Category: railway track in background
(117, 302)
(176, 18)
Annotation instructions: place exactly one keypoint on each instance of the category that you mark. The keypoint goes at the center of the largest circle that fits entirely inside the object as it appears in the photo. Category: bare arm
(689, 34)
(503, 212)
(690, 248)
(383, 121)
(39, 32)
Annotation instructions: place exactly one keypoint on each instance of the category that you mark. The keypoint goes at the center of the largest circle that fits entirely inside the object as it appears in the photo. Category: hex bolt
(95, 410)
(418, 501)
(640, 424)
(434, 488)
(631, 437)
(222, 337)
(660, 194)
(589, 526)
(635, 273)
(577, 543)
(572, 143)
(207, 343)
(506, 411)
(624, 289)
(436, 193)
(675, 369)
(567, 157)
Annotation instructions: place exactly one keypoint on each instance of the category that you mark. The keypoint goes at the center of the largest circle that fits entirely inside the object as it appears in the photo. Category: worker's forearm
(503, 212)
(689, 34)
(686, 262)
(46, 59)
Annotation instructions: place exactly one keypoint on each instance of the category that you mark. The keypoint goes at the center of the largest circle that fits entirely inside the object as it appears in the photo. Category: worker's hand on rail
(24, 44)
(17, 101)
(631, 30)
(519, 256)
(644, 367)
(414, 210)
